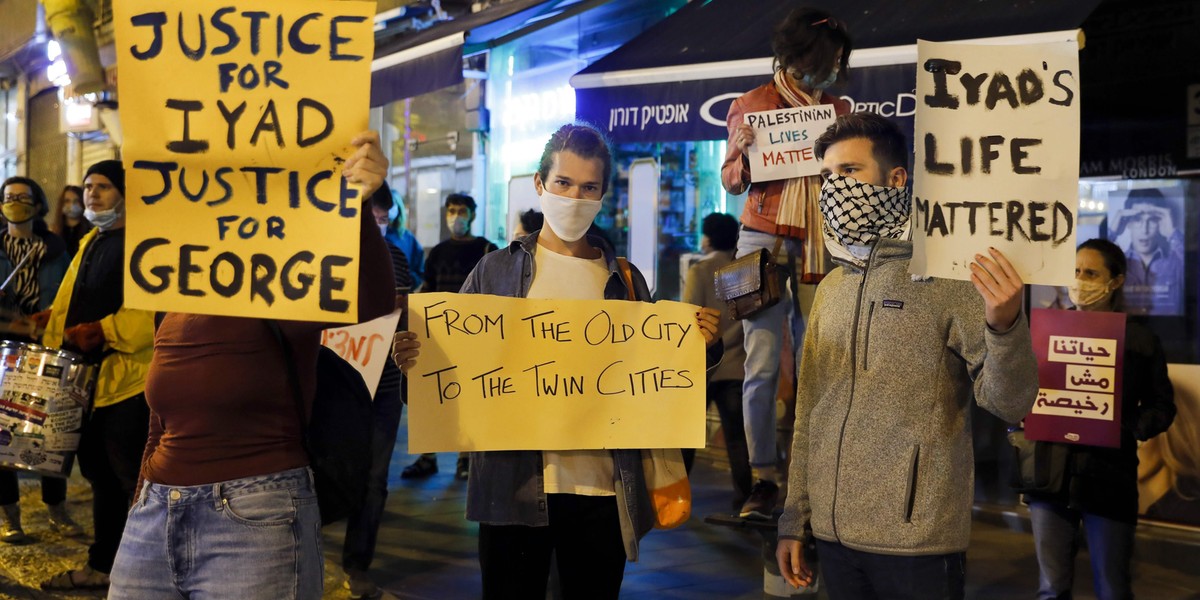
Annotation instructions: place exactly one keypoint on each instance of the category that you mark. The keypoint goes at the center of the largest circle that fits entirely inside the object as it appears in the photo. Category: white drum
(45, 395)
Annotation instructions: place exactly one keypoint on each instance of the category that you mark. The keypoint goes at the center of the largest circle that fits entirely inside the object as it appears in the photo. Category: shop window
(689, 190)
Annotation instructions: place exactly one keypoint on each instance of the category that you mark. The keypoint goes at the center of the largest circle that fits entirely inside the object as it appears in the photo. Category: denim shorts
(256, 537)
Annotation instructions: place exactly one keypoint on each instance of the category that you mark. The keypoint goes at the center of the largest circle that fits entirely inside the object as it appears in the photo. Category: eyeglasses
(22, 198)
(829, 22)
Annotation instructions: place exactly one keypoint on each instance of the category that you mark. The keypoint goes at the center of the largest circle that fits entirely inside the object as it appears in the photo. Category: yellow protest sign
(236, 122)
(500, 373)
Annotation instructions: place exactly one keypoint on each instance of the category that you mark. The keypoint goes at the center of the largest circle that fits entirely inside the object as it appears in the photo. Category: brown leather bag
(750, 284)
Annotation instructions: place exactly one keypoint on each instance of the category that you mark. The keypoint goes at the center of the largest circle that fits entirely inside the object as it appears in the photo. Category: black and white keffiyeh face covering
(858, 214)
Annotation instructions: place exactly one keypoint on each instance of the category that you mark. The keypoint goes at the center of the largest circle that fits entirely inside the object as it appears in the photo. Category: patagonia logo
(893, 304)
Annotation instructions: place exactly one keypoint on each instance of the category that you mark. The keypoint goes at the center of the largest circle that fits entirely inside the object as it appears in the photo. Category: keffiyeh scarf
(857, 214)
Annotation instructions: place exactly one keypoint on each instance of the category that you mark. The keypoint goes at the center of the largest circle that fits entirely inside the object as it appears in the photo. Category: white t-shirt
(558, 276)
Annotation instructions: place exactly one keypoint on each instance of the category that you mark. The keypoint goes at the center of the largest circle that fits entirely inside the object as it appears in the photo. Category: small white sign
(784, 139)
(365, 346)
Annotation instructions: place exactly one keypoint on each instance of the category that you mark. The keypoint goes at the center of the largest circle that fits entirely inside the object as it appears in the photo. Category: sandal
(422, 468)
(66, 581)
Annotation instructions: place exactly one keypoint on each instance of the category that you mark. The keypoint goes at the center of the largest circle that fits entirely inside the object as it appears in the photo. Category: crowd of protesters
(201, 481)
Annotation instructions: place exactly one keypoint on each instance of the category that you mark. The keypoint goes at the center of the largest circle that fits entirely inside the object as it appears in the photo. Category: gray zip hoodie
(882, 458)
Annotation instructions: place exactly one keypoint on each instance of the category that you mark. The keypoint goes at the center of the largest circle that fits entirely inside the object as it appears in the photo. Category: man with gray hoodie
(882, 463)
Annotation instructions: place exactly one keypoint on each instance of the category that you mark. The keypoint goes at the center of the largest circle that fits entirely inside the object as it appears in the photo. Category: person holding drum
(32, 263)
(89, 317)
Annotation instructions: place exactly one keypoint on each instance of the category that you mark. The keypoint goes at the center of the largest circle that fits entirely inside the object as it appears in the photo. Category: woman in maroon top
(227, 508)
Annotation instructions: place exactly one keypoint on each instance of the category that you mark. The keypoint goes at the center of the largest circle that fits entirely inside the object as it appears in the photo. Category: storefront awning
(417, 70)
(675, 81)
(412, 63)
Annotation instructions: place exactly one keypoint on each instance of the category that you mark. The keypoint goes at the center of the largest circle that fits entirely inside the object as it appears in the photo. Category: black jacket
(1103, 481)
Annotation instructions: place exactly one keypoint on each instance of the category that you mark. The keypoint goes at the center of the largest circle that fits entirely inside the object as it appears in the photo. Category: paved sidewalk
(427, 550)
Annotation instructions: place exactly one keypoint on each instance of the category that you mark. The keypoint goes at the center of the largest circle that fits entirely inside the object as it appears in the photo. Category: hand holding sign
(367, 167)
(709, 321)
(405, 350)
(1001, 287)
(743, 138)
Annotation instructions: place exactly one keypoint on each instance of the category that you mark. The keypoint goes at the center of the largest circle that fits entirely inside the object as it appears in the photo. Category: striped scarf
(798, 203)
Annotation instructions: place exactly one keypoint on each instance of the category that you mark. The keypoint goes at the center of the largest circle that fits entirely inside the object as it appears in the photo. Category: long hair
(1114, 261)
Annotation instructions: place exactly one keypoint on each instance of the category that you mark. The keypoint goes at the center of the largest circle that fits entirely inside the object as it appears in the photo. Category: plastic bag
(670, 491)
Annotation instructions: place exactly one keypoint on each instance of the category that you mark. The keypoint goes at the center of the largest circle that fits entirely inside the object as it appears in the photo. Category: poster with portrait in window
(1148, 225)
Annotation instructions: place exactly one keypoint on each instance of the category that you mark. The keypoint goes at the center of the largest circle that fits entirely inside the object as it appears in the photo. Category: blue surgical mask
(820, 85)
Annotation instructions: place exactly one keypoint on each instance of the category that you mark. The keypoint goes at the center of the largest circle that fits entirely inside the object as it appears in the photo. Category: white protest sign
(783, 141)
(997, 158)
(365, 346)
(498, 373)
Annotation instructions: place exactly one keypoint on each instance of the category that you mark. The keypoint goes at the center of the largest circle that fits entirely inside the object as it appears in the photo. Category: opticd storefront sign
(696, 110)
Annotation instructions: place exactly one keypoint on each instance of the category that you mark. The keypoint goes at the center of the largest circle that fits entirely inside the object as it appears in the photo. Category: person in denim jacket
(587, 507)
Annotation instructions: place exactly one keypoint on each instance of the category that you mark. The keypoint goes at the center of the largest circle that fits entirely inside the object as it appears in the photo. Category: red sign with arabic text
(1080, 357)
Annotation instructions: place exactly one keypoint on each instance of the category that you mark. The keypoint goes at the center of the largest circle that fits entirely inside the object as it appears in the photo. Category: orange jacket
(763, 202)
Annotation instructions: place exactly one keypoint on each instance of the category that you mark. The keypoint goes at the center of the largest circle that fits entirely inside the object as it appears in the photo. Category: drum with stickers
(44, 397)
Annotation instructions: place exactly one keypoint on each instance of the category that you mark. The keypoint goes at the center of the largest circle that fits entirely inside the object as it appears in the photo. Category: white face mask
(459, 226)
(1088, 293)
(105, 219)
(73, 211)
(568, 218)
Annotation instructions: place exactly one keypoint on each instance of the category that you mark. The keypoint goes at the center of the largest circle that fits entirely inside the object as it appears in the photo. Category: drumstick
(17, 268)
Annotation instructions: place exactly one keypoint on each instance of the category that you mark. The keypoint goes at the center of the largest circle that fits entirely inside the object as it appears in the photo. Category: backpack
(337, 436)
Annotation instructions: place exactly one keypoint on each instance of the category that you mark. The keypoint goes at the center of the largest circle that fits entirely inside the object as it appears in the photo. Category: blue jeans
(1056, 537)
(764, 339)
(855, 575)
(257, 537)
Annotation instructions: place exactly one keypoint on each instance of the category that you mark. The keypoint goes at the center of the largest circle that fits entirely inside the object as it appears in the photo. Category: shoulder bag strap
(627, 276)
(775, 252)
